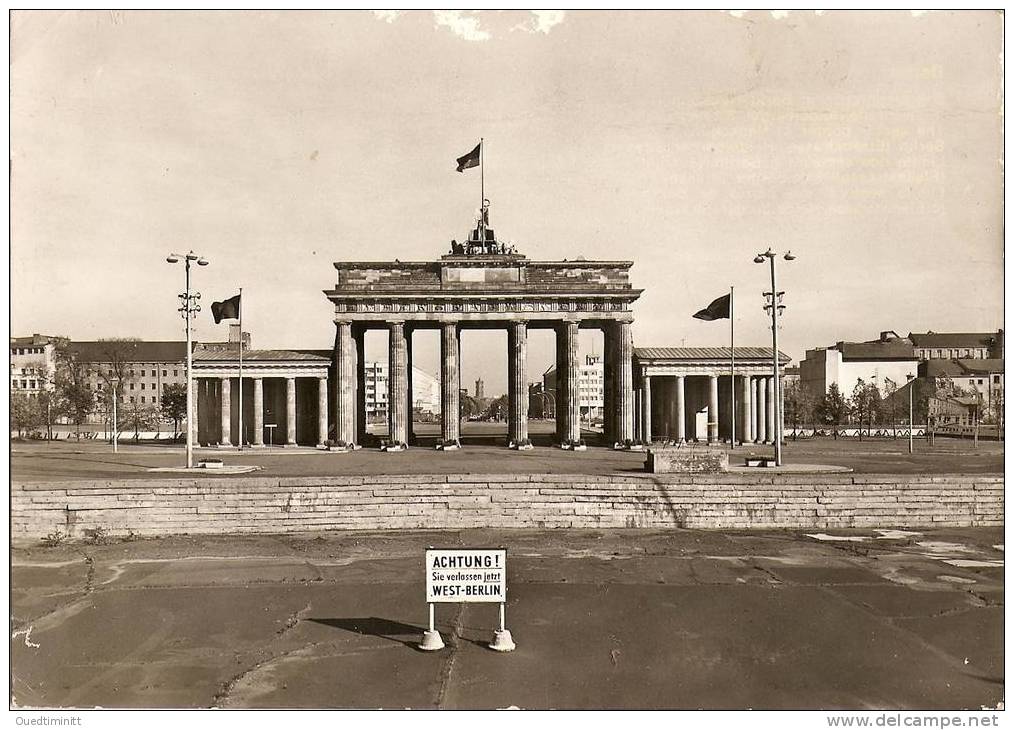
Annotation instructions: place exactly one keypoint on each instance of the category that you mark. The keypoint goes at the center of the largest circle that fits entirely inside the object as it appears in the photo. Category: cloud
(545, 20)
(463, 26)
(388, 16)
(466, 25)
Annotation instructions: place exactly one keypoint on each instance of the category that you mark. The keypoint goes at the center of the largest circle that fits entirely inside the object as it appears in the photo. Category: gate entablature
(477, 288)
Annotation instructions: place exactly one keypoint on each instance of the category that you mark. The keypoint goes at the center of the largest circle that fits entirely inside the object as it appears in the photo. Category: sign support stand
(431, 638)
(502, 640)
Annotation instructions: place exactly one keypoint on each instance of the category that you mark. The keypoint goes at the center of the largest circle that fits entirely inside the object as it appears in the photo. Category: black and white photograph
(506, 359)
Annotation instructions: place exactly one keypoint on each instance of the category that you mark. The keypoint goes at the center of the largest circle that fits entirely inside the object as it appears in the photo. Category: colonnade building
(694, 394)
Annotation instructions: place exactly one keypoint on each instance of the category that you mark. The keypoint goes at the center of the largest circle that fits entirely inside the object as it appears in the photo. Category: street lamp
(188, 311)
(911, 388)
(776, 307)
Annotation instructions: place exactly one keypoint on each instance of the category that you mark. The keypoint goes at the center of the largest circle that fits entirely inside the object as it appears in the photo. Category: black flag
(229, 309)
(470, 160)
(718, 309)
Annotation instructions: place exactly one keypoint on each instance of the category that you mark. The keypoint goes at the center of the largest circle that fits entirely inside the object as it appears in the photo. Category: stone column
(290, 411)
(359, 337)
(345, 403)
(450, 383)
(409, 389)
(397, 381)
(560, 387)
(517, 382)
(226, 391)
(769, 386)
(762, 421)
(608, 385)
(258, 412)
(624, 350)
(193, 423)
(745, 408)
(646, 407)
(321, 411)
(567, 341)
(755, 409)
(681, 408)
(712, 409)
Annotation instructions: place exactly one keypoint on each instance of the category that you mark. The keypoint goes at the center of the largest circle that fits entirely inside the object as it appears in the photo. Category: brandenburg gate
(482, 284)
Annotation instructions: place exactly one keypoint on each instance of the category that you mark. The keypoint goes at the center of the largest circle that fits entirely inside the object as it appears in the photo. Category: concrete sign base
(502, 641)
(431, 641)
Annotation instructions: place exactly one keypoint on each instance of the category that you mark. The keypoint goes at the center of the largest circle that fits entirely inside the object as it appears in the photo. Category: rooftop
(706, 353)
(232, 355)
(35, 340)
(955, 339)
(892, 349)
(961, 367)
(130, 351)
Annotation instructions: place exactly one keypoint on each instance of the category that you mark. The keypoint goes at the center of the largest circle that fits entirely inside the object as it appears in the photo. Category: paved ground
(37, 461)
(633, 619)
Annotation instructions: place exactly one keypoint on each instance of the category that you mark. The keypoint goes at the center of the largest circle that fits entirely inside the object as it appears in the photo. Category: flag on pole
(229, 309)
(718, 309)
(470, 160)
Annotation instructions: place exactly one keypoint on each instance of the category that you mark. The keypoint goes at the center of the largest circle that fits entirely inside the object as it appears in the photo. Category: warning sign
(466, 576)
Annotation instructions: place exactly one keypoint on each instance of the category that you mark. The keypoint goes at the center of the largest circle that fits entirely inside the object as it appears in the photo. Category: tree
(25, 415)
(832, 409)
(174, 405)
(49, 410)
(890, 410)
(875, 402)
(800, 405)
(140, 417)
(76, 399)
(858, 404)
(115, 356)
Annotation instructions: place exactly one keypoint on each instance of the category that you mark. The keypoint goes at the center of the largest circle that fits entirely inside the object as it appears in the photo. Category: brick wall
(274, 505)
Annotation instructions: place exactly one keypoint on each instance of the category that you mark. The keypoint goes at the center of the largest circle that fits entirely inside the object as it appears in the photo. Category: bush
(53, 539)
(96, 536)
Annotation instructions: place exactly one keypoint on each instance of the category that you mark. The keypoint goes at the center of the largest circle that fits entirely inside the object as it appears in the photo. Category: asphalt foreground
(679, 619)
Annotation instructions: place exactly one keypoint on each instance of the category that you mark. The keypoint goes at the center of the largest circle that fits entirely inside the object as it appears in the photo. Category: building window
(131, 399)
(142, 384)
(176, 373)
(996, 378)
(165, 373)
(980, 381)
(131, 387)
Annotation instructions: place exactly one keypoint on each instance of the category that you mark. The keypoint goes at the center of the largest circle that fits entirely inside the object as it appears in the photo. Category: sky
(276, 143)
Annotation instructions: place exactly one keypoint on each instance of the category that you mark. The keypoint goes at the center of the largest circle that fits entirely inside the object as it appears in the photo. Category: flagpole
(482, 194)
(241, 368)
(732, 342)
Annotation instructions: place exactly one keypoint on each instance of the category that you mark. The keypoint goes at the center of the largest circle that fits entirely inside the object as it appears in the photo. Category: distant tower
(479, 395)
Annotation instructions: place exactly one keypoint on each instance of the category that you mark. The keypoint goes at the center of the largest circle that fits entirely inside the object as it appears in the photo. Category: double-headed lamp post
(776, 307)
(189, 310)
